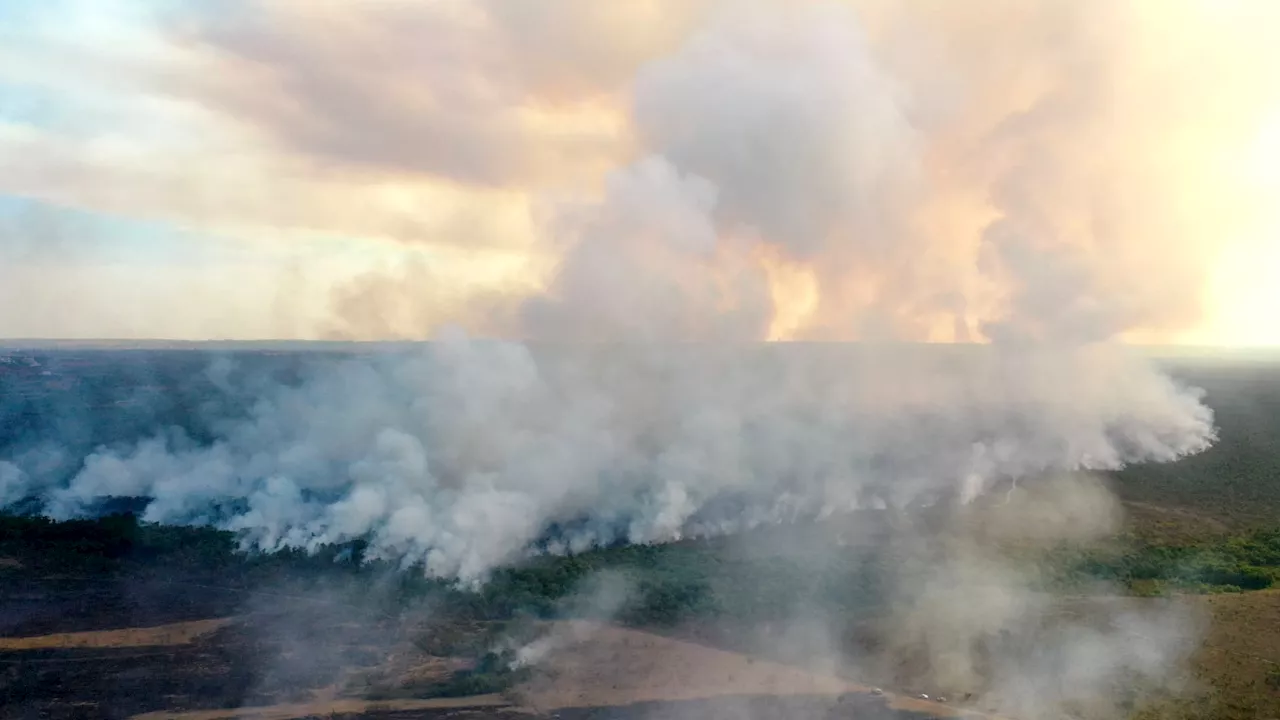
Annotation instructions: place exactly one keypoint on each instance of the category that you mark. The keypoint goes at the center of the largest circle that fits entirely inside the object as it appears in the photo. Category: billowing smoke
(771, 133)
(774, 141)
(463, 453)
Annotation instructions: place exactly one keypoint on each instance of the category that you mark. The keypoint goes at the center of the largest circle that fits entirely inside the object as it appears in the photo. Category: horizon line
(11, 343)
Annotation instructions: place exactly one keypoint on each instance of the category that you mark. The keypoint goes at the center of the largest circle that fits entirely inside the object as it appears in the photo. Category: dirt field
(601, 665)
(206, 670)
(1171, 525)
(279, 661)
(93, 665)
(76, 658)
(597, 665)
(1239, 664)
(333, 707)
(183, 633)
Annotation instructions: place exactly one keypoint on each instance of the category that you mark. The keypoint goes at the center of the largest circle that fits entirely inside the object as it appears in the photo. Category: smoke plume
(463, 453)
(814, 170)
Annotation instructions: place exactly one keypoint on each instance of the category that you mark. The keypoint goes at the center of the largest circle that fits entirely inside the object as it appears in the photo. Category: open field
(288, 711)
(174, 634)
(597, 664)
(1238, 665)
(304, 661)
(145, 631)
(600, 671)
(605, 666)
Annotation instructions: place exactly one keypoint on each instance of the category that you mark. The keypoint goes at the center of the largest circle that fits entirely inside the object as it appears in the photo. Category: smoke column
(640, 407)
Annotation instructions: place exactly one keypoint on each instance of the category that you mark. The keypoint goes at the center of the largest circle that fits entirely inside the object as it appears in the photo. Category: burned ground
(301, 660)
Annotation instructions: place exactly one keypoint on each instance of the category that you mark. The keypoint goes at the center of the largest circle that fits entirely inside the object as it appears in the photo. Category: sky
(856, 169)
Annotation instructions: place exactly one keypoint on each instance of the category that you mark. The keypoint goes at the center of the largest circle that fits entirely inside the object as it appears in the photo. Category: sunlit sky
(169, 172)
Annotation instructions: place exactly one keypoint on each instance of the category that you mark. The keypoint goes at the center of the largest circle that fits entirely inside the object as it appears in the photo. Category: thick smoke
(465, 452)
(769, 134)
(638, 405)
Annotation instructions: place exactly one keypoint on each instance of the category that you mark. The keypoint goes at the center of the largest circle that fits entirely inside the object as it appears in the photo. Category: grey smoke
(464, 452)
(13, 483)
(600, 597)
(970, 614)
(801, 130)
(648, 265)
(637, 405)
(767, 131)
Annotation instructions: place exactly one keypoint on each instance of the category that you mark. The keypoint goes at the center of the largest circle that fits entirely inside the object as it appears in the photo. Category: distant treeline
(654, 584)
(77, 401)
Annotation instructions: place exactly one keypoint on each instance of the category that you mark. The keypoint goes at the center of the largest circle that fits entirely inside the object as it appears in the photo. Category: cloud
(71, 273)
(443, 89)
(913, 168)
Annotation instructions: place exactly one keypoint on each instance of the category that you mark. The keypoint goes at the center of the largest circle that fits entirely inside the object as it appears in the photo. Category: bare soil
(594, 665)
(129, 647)
(183, 633)
(603, 665)
(240, 668)
(1238, 666)
(332, 707)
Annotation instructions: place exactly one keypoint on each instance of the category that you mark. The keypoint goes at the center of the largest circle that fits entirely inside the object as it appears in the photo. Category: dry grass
(598, 665)
(1247, 623)
(1235, 672)
(1154, 523)
(1240, 659)
(300, 710)
(182, 633)
(405, 673)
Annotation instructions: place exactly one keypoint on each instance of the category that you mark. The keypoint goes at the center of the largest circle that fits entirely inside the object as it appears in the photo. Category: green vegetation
(120, 542)
(1233, 563)
(667, 584)
(494, 672)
